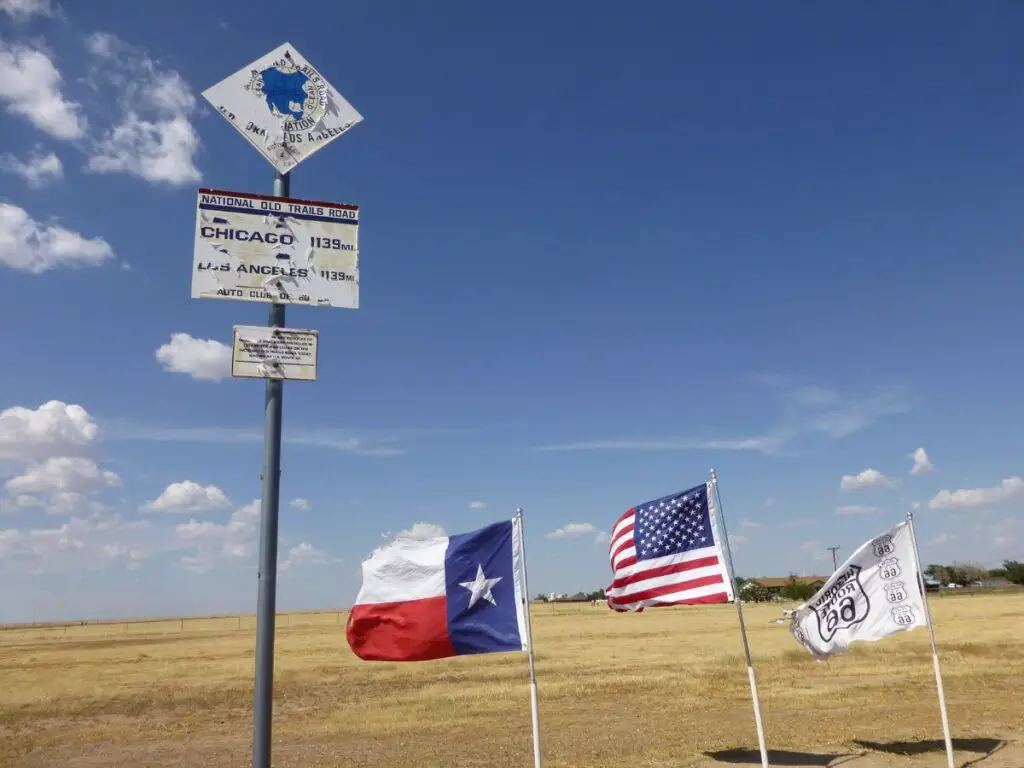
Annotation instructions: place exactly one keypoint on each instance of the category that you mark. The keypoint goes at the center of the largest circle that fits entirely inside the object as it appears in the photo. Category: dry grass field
(664, 688)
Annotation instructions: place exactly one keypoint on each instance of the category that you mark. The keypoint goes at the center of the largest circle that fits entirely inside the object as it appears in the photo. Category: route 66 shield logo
(883, 546)
(904, 615)
(844, 605)
(895, 592)
(890, 568)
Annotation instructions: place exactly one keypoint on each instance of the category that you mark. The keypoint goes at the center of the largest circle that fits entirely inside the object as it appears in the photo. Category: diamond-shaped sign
(283, 106)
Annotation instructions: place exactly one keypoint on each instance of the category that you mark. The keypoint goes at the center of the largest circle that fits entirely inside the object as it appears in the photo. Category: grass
(664, 688)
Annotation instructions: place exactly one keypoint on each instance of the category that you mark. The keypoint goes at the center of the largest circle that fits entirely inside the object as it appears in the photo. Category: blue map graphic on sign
(284, 91)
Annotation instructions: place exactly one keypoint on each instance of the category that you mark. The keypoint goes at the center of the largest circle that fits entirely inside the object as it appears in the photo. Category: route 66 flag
(874, 594)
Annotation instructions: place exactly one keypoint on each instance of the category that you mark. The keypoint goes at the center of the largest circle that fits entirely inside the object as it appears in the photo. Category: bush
(796, 591)
(752, 592)
(1014, 571)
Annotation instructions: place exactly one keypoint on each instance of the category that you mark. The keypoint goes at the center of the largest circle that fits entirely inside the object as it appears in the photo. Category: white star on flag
(480, 587)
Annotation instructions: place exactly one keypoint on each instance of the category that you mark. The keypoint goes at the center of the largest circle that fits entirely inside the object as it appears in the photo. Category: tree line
(579, 597)
(962, 574)
(792, 590)
(966, 574)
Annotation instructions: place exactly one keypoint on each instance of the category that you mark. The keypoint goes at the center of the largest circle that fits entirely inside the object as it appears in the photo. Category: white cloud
(11, 542)
(63, 475)
(835, 414)
(160, 152)
(217, 542)
(1005, 534)
(746, 524)
(72, 502)
(197, 563)
(154, 138)
(869, 478)
(22, 9)
(574, 530)
(922, 463)
(302, 505)
(96, 541)
(240, 527)
(806, 411)
(202, 359)
(478, 505)
(421, 531)
(976, 497)
(303, 554)
(854, 509)
(370, 443)
(31, 86)
(102, 45)
(815, 550)
(12, 506)
(188, 496)
(67, 537)
(131, 558)
(764, 444)
(53, 429)
(737, 540)
(37, 171)
(50, 444)
(34, 247)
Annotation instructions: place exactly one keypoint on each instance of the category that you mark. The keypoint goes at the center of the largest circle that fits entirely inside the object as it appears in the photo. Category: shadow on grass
(783, 757)
(987, 747)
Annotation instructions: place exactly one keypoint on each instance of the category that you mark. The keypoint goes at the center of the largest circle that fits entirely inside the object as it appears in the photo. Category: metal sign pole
(266, 601)
(269, 101)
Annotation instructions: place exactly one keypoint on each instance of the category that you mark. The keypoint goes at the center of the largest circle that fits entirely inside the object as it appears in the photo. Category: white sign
(262, 352)
(283, 106)
(874, 594)
(275, 249)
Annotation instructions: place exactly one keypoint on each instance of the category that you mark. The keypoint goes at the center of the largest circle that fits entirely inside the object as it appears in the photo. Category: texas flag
(442, 596)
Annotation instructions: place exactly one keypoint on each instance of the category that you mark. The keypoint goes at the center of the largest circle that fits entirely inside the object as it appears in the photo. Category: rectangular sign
(262, 352)
(283, 106)
(275, 249)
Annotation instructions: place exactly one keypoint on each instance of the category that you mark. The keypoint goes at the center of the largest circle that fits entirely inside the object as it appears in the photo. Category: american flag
(666, 552)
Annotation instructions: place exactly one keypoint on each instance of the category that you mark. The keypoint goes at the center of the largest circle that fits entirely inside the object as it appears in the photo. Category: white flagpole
(720, 518)
(935, 651)
(534, 705)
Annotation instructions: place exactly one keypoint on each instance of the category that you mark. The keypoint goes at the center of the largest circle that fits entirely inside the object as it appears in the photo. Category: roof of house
(781, 581)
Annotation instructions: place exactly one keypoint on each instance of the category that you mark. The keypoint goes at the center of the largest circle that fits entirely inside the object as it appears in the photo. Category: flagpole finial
(714, 475)
(519, 512)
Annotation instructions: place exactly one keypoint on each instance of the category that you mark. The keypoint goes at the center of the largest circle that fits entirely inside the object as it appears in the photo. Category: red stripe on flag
(716, 599)
(627, 541)
(624, 515)
(668, 589)
(414, 630)
(626, 562)
(664, 570)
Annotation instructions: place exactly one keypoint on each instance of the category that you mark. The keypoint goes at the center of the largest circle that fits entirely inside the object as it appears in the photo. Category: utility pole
(833, 550)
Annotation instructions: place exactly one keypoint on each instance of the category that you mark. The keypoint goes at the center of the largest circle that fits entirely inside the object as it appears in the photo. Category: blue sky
(600, 253)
